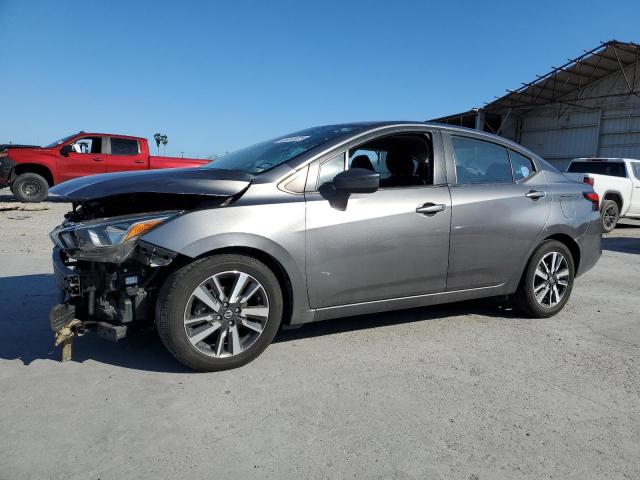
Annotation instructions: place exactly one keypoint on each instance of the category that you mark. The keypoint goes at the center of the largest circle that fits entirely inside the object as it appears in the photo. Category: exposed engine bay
(108, 277)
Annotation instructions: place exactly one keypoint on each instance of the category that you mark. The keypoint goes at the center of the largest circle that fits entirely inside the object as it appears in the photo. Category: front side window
(87, 145)
(401, 160)
(330, 168)
(479, 161)
(124, 146)
(522, 166)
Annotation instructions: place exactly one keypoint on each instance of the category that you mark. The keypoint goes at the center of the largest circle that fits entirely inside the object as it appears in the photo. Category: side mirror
(64, 151)
(357, 180)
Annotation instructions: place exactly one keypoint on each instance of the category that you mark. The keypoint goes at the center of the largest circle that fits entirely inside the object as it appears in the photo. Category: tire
(30, 188)
(231, 342)
(610, 214)
(525, 301)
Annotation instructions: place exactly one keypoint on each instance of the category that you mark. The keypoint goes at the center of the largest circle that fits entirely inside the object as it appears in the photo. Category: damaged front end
(108, 276)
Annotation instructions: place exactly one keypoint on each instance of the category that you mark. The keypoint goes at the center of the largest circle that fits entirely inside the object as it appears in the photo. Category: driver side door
(85, 158)
(376, 246)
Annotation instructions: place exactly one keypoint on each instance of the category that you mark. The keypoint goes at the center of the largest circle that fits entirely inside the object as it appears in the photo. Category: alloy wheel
(551, 279)
(610, 217)
(226, 314)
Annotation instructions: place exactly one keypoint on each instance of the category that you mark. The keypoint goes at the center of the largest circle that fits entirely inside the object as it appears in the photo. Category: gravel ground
(465, 391)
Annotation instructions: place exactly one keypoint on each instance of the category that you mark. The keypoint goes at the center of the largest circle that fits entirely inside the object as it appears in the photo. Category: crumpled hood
(185, 181)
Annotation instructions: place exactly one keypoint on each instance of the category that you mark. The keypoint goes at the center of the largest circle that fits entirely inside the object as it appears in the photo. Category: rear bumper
(590, 245)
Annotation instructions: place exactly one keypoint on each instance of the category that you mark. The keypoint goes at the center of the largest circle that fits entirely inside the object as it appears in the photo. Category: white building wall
(607, 127)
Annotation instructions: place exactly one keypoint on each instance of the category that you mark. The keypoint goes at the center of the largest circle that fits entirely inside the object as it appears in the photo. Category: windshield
(266, 155)
(61, 141)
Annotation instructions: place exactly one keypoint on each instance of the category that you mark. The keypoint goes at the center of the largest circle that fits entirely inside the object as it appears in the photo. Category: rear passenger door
(500, 205)
(124, 154)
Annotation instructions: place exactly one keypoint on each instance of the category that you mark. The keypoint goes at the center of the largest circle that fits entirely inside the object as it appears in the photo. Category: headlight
(108, 239)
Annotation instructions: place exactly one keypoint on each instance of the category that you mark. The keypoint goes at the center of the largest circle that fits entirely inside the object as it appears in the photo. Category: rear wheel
(219, 312)
(610, 215)
(547, 281)
(30, 188)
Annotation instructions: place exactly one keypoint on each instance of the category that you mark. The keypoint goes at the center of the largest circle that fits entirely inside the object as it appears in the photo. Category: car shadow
(486, 307)
(622, 244)
(24, 321)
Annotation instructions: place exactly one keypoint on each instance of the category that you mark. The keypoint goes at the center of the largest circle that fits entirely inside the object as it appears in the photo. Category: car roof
(601, 159)
(443, 127)
(97, 134)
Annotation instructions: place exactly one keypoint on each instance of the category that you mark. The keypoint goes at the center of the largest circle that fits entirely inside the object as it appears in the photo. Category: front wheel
(219, 312)
(30, 188)
(547, 281)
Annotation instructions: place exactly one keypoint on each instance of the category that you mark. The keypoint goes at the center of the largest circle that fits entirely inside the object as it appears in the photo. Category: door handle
(535, 194)
(430, 209)
(97, 159)
(138, 161)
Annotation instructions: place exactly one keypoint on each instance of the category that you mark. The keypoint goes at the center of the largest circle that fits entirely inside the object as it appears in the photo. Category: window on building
(479, 161)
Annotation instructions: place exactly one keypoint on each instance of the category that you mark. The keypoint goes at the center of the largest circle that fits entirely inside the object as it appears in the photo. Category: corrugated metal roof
(608, 58)
(563, 83)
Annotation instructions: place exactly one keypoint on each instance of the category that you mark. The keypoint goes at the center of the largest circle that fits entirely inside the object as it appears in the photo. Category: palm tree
(158, 138)
(164, 141)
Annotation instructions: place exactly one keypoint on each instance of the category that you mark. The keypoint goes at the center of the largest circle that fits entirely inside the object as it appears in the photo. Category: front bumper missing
(63, 316)
(65, 326)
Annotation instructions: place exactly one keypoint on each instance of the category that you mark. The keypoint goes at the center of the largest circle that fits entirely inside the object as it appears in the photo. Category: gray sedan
(322, 223)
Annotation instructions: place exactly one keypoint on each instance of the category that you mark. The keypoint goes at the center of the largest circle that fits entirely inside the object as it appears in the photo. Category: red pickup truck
(30, 171)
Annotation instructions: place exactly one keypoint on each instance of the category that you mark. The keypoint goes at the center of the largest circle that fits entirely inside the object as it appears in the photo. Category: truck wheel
(547, 281)
(219, 312)
(610, 215)
(30, 188)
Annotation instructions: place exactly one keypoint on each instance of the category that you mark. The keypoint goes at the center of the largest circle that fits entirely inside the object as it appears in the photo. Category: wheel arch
(615, 196)
(41, 170)
(284, 280)
(285, 260)
(570, 243)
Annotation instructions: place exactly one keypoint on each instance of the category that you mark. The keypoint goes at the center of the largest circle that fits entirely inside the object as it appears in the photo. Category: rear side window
(478, 161)
(522, 166)
(635, 166)
(615, 169)
(124, 146)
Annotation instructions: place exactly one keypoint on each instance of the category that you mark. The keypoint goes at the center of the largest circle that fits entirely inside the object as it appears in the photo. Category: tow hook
(65, 326)
(65, 336)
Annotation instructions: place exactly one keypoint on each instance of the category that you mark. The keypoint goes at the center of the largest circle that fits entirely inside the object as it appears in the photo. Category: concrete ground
(464, 391)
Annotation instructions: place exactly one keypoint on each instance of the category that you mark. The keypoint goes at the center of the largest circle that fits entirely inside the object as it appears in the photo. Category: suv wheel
(219, 312)
(610, 215)
(547, 281)
(30, 188)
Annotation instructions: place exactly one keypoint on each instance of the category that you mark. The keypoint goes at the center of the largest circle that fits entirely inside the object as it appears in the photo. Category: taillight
(594, 198)
(588, 181)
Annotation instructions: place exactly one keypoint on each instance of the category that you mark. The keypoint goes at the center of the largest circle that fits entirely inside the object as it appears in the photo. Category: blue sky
(218, 75)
